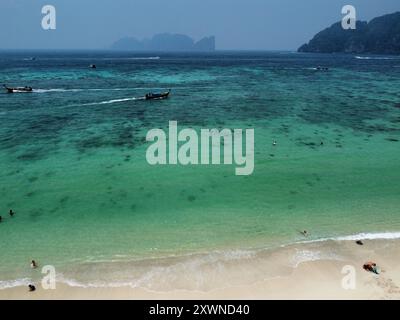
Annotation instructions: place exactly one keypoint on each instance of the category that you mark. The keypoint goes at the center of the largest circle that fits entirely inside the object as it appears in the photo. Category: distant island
(380, 36)
(166, 42)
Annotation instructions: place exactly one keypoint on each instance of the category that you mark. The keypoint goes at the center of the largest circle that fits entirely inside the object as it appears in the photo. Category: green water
(73, 164)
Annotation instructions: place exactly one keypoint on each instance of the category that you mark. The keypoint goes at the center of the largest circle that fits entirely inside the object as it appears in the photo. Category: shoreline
(300, 271)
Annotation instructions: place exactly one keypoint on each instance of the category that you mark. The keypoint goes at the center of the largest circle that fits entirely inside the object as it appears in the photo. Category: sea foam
(7, 284)
(359, 236)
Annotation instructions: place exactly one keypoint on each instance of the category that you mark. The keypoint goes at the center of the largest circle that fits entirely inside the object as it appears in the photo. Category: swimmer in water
(33, 264)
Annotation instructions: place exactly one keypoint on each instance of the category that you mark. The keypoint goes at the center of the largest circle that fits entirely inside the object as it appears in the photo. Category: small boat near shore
(18, 89)
(157, 96)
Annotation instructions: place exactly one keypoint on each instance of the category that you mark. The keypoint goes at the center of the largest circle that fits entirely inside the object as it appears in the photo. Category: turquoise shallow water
(73, 161)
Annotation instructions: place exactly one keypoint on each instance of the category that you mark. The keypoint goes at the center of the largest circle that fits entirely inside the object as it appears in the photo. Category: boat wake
(110, 101)
(126, 58)
(376, 58)
(89, 89)
(98, 59)
(118, 100)
(80, 90)
(55, 90)
(142, 58)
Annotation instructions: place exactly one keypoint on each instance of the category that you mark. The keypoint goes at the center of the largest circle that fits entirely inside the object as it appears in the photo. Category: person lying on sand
(371, 267)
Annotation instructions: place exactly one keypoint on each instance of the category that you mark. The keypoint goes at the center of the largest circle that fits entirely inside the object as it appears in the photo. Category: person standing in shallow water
(11, 213)
(1, 218)
(33, 264)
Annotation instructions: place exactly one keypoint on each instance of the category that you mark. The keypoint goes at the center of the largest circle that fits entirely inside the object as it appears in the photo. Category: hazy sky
(237, 24)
